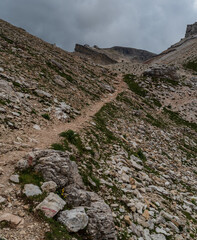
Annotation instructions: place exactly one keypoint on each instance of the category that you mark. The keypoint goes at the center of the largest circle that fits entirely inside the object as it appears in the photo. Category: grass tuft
(29, 176)
(46, 116)
(133, 85)
(192, 65)
(58, 147)
(74, 139)
(174, 116)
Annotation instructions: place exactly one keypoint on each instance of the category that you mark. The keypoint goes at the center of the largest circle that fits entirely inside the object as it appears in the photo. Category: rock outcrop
(88, 208)
(162, 72)
(54, 166)
(96, 56)
(191, 30)
(113, 55)
(134, 54)
(100, 224)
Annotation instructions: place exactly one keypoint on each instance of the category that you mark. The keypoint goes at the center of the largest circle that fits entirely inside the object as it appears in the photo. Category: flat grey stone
(14, 178)
(74, 220)
(31, 190)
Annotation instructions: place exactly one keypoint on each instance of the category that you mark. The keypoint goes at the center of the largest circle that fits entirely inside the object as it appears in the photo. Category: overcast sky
(153, 25)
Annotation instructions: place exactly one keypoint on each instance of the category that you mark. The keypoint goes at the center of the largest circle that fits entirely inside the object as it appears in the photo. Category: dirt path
(44, 138)
(50, 135)
(41, 139)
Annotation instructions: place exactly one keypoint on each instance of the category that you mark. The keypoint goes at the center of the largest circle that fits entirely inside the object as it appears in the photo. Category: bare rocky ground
(127, 166)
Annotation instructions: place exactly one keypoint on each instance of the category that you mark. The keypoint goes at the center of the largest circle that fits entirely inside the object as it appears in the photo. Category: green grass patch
(170, 81)
(141, 155)
(189, 217)
(189, 150)
(32, 200)
(101, 125)
(116, 190)
(2, 102)
(58, 147)
(73, 138)
(46, 116)
(16, 84)
(61, 73)
(106, 112)
(151, 170)
(155, 122)
(165, 80)
(5, 224)
(29, 176)
(123, 235)
(33, 111)
(8, 40)
(124, 99)
(57, 231)
(175, 117)
(192, 65)
(134, 86)
(93, 94)
(88, 175)
(156, 102)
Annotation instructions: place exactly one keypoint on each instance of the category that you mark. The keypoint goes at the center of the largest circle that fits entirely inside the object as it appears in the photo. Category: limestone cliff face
(191, 30)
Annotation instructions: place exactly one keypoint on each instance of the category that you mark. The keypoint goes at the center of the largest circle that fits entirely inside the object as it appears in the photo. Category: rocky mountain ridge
(113, 55)
(96, 152)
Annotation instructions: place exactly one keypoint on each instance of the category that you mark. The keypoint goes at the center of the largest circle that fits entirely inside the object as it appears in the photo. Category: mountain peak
(191, 30)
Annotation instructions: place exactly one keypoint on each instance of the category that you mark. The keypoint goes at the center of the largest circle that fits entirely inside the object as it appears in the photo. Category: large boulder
(74, 220)
(101, 225)
(79, 197)
(55, 166)
(162, 72)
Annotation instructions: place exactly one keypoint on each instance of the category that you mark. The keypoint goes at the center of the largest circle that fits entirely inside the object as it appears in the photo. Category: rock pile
(89, 210)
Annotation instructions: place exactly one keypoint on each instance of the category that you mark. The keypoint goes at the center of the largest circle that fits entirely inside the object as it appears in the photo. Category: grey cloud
(148, 24)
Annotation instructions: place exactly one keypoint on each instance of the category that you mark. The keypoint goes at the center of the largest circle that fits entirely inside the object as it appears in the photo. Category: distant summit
(113, 55)
(191, 30)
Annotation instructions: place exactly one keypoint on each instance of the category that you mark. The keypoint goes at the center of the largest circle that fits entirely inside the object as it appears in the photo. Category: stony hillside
(106, 56)
(40, 82)
(96, 153)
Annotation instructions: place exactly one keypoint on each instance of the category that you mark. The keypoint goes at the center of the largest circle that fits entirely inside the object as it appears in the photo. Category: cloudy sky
(153, 25)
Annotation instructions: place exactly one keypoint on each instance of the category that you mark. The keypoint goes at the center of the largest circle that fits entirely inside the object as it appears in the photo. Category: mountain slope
(129, 130)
